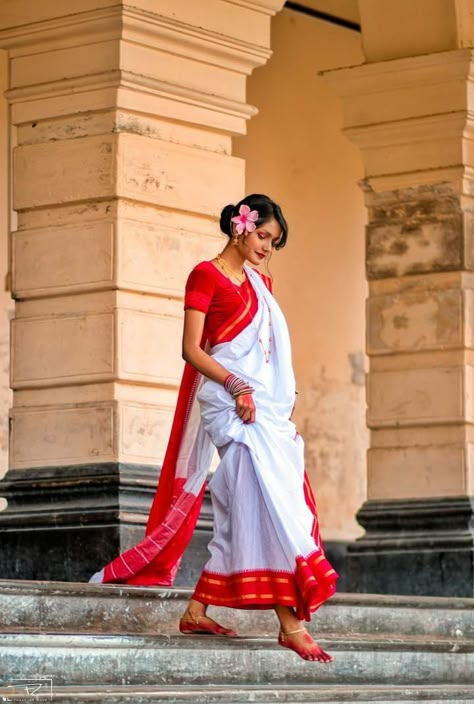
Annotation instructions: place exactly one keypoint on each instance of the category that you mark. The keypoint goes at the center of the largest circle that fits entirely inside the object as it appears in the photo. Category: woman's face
(257, 245)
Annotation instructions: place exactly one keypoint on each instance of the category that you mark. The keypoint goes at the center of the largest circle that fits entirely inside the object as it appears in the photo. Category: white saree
(265, 548)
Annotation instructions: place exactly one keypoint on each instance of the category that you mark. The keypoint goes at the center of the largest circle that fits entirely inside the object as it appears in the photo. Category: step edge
(80, 589)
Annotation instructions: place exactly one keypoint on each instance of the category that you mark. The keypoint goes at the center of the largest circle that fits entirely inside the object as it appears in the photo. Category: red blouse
(229, 308)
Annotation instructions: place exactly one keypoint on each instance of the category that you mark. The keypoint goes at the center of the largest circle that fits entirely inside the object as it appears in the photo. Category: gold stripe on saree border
(308, 580)
(232, 325)
(243, 597)
(318, 560)
(233, 579)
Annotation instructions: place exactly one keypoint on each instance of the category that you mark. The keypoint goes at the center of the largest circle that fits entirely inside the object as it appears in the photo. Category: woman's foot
(303, 644)
(200, 624)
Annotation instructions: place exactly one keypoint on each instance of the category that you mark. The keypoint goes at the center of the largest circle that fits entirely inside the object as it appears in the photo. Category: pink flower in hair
(246, 219)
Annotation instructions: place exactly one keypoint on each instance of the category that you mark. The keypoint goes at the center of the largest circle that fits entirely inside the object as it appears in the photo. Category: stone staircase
(118, 644)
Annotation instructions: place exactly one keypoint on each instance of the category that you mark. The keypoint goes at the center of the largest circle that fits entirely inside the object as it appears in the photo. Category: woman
(266, 551)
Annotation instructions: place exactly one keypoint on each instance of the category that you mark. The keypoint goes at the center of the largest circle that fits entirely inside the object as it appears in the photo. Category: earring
(235, 240)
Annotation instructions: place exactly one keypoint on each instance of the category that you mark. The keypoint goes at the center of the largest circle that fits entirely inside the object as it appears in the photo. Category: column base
(65, 523)
(336, 553)
(416, 547)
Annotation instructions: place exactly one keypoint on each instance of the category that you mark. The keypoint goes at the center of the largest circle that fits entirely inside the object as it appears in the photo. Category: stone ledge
(311, 694)
(59, 607)
(183, 660)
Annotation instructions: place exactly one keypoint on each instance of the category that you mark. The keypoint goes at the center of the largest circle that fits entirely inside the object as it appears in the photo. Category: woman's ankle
(196, 608)
(288, 619)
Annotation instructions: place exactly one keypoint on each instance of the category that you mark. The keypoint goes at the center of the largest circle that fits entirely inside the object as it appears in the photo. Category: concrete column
(6, 303)
(123, 117)
(412, 119)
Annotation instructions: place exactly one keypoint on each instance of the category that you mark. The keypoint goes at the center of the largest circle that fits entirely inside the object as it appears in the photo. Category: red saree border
(306, 589)
(173, 515)
(232, 327)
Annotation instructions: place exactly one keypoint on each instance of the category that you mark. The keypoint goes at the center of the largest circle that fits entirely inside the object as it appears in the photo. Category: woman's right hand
(245, 408)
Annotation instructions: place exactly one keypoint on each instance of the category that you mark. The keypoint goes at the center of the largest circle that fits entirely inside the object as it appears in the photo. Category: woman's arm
(200, 360)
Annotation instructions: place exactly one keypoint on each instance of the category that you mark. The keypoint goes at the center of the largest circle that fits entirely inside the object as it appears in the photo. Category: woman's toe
(227, 631)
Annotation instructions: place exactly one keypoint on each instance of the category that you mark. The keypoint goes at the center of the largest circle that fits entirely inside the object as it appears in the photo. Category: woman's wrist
(237, 387)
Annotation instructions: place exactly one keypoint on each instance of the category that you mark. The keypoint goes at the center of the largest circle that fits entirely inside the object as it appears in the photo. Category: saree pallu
(266, 548)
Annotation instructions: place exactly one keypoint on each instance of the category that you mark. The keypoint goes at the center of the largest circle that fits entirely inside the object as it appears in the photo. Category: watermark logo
(30, 689)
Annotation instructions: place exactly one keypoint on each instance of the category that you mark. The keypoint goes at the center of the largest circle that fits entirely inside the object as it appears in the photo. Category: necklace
(240, 276)
(267, 351)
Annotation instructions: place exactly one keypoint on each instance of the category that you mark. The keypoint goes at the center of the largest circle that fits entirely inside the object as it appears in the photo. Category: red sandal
(190, 625)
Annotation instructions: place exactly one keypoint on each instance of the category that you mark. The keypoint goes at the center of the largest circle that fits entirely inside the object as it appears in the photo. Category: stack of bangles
(237, 387)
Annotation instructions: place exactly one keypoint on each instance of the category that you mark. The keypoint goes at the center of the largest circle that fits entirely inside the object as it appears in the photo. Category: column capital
(220, 13)
(135, 24)
(151, 57)
(57, 32)
(409, 117)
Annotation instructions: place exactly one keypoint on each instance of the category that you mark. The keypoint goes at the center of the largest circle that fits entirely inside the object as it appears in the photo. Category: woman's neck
(233, 257)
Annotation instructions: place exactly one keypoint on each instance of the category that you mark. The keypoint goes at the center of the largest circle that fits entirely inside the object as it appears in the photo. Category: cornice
(126, 79)
(399, 73)
(187, 95)
(40, 91)
(129, 23)
(177, 37)
(416, 129)
(97, 25)
(456, 175)
(267, 7)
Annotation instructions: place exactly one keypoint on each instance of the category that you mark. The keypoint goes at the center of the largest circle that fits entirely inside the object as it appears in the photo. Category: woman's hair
(267, 209)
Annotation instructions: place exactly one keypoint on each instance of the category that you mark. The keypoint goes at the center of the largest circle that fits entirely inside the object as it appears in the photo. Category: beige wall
(6, 304)
(296, 153)
(411, 27)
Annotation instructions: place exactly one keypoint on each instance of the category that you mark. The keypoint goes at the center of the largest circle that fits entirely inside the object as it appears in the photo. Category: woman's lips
(262, 256)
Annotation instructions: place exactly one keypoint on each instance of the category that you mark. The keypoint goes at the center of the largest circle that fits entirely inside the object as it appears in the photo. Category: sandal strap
(187, 616)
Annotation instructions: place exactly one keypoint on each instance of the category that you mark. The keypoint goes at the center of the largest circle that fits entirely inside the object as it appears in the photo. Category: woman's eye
(261, 237)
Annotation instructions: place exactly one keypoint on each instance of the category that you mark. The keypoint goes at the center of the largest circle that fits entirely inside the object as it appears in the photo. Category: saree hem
(306, 589)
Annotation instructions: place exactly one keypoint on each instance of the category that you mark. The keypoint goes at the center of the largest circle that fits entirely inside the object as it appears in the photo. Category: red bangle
(236, 386)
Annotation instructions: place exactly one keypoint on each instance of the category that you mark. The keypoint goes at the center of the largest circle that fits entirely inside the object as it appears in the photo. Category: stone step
(199, 660)
(209, 694)
(33, 607)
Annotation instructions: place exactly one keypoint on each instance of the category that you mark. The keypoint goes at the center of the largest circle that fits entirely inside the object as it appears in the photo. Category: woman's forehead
(272, 226)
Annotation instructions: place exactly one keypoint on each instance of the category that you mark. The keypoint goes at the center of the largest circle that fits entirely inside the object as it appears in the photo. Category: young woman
(237, 394)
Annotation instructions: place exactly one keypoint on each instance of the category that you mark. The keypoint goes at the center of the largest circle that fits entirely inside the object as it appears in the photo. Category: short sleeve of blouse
(199, 291)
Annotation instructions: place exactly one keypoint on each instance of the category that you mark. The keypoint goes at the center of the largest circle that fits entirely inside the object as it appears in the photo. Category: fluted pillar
(412, 119)
(123, 117)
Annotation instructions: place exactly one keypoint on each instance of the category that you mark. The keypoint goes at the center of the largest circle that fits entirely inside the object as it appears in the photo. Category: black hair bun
(224, 221)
